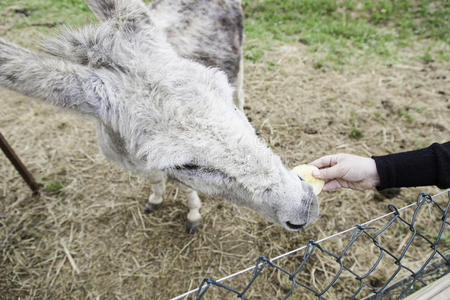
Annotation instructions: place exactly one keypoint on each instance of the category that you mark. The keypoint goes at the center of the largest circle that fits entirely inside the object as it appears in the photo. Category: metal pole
(20, 167)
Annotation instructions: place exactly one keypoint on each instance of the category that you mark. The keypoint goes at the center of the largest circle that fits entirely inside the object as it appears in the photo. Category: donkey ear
(53, 80)
(131, 14)
(102, 9)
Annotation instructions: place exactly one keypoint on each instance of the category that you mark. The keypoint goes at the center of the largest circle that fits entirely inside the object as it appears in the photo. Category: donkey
(159, 114)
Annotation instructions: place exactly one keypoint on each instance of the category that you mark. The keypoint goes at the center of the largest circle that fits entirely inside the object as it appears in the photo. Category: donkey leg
(194, 204)
(158, 182)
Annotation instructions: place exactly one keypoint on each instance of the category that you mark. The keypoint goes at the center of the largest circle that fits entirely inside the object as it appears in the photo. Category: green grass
(445, 238)
(401, 113)
(356, 133)
(347, 28)
(334, 30)
(54, 187)
(40, 12)
(427, 57)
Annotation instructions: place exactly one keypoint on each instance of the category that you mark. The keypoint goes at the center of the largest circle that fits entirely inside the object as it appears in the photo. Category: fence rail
(357, 232)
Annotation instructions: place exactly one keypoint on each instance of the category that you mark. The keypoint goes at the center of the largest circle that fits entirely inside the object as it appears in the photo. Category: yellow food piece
(305, 172)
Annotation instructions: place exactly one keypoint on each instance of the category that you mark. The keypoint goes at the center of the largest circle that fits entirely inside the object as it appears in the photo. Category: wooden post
(20, 167)
(438, 290)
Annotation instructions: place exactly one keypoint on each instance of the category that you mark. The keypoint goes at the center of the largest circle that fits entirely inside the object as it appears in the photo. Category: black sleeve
(428, 166)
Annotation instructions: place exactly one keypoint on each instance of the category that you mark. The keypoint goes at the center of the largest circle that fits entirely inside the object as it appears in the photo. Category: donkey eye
(197, 168)
(188, 167)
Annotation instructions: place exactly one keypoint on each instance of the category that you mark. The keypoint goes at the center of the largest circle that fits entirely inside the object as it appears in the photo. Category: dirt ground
(92, 240)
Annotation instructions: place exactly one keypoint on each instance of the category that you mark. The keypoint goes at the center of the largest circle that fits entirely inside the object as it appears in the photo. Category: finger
(325, 161)
(331, 186)
(334, 172)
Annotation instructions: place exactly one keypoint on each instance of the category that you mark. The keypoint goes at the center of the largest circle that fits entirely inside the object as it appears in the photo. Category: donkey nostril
(295, 226)
(301, 179)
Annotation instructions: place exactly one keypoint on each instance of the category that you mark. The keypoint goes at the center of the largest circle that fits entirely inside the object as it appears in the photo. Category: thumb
(328, 173)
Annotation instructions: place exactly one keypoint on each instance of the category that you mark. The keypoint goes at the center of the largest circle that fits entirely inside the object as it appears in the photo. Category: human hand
(346, 171)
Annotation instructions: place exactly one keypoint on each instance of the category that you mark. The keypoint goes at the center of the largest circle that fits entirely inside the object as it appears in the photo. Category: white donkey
(159, 113)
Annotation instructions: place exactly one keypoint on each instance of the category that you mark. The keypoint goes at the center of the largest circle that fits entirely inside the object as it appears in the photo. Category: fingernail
(316, 173)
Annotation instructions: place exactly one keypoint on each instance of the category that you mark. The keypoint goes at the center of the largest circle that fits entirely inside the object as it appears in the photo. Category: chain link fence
(436, 265)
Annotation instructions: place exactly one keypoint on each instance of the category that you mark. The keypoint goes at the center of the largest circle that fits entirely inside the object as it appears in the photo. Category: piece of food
(305, 172)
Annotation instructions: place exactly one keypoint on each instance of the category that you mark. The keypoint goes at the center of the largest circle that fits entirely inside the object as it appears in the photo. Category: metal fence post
(20, 167)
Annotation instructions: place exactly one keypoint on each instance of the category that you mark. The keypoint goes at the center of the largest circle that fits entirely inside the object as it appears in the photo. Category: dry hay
(92, 240)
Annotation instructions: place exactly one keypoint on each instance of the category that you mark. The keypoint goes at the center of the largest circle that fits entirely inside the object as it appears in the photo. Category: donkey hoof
(193, 227)
(149, 207)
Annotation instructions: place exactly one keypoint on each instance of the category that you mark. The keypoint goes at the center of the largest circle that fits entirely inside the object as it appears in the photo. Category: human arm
(428, 166)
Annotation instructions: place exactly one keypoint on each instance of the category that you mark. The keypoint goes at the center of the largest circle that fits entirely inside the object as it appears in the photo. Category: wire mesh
(402, 286)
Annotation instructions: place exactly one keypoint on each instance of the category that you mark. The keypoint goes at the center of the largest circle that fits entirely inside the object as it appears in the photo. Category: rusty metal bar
(20, 167)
